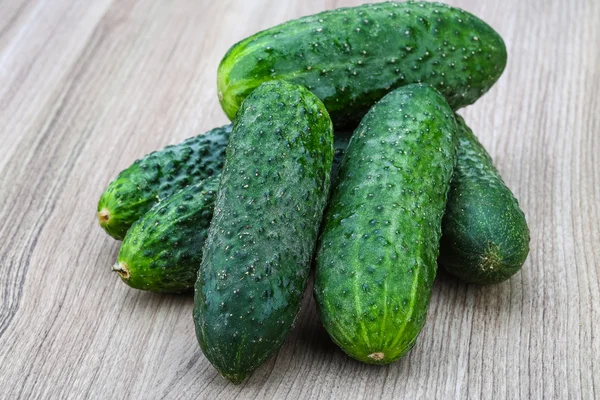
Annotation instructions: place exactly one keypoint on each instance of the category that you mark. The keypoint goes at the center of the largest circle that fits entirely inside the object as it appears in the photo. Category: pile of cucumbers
(241, 213)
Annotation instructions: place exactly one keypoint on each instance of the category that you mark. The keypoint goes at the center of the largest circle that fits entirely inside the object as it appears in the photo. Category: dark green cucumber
(485, 235)
(157, 176)
(257, 255)
(351, 57)
(376, 260)
(162, 250)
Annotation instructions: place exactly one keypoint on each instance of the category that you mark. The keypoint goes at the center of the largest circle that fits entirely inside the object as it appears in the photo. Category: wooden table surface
(88, 86)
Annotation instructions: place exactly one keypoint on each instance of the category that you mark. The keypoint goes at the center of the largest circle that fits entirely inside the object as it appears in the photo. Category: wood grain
(87, 87)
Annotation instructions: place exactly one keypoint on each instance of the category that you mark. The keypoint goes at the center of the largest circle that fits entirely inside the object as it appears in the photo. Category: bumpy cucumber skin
(376, 260)
(485, 235)
(159, 175)
(162, 250)
(352, 57)
(257, 255)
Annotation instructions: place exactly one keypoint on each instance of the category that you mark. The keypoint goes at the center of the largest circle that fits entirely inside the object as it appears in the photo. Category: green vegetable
(485, 235)
(352, 57)
(260, 243)
(162, 250)
(157, 176)
(376, 260)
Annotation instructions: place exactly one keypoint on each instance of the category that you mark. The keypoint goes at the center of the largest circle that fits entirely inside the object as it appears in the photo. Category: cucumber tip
(103, 216)
(122, 270)
(378, 356)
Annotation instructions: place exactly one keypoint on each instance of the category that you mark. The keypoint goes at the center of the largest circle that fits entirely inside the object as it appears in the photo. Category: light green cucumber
(376, 261)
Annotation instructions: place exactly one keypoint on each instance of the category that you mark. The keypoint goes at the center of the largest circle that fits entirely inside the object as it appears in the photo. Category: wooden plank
(87, 87)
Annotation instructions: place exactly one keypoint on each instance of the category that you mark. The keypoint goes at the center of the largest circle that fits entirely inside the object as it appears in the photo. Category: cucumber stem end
(103, 216)
(121, 269)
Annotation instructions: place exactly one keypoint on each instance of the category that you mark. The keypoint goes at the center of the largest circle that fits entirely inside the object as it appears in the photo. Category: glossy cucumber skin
(485, 235)
(159, 175)
(352, 57)
(162, 250)
(376, 260)
(257, 255)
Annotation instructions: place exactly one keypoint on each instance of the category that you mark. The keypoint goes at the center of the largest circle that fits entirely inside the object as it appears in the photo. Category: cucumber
(352, 57)
(257, 255)
(162, 250)
(485, 235)
(157, 176)
(376, 260)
